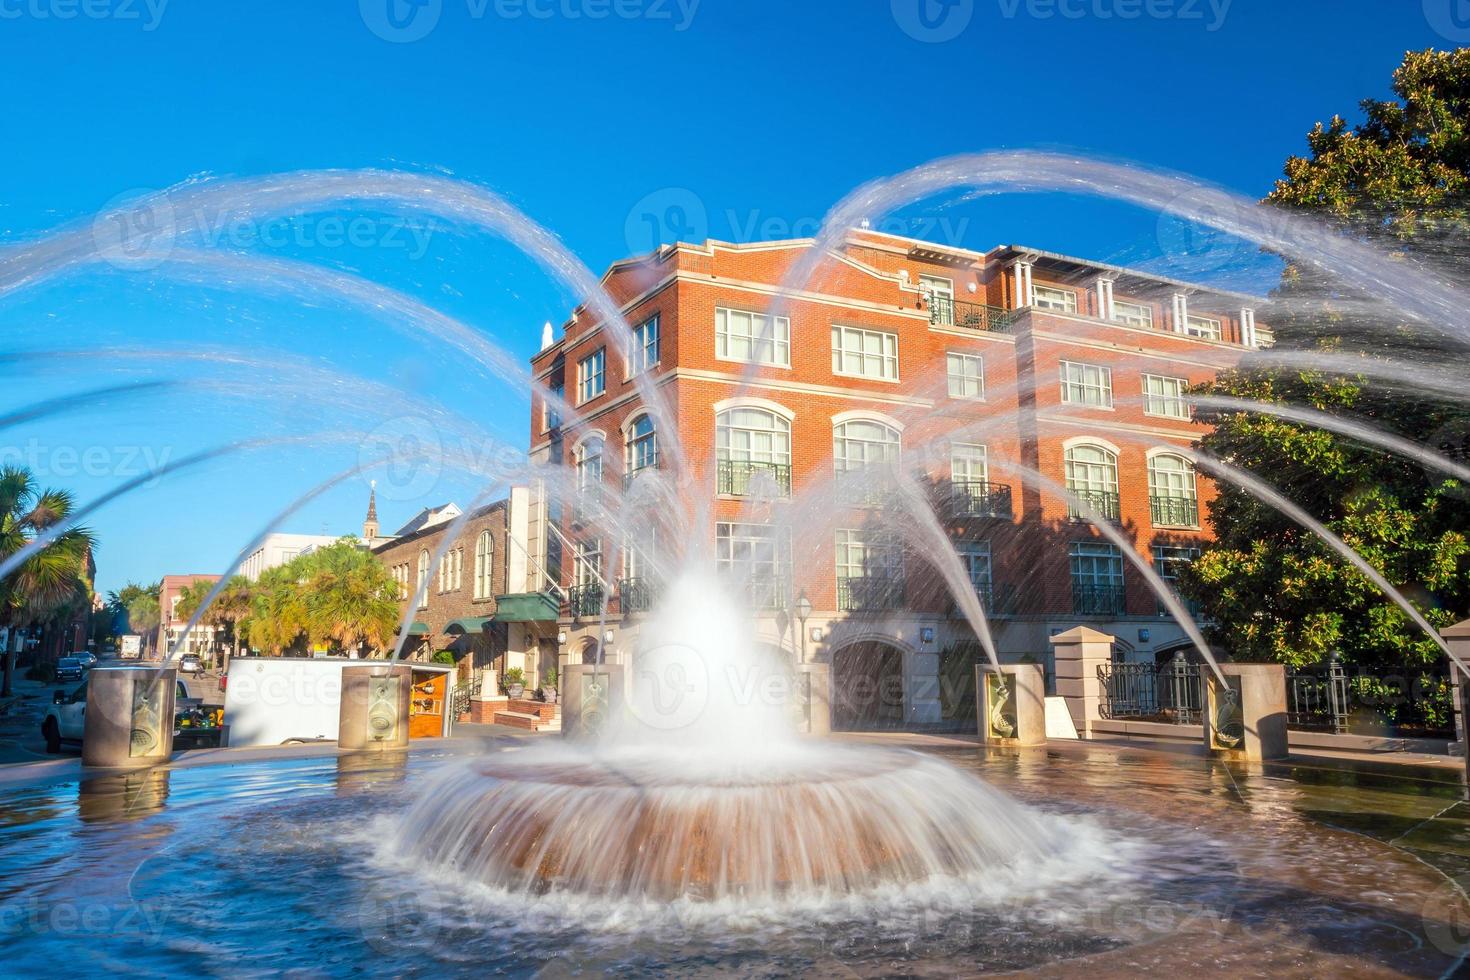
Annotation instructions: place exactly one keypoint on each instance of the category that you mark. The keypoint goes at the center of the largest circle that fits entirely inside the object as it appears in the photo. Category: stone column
(815, 694)
(593, 699)
(487, 698)
(375, 706)
(1458, 639)
(1011, 704)
(1247, 721)
(129, 720)
(1077, 654)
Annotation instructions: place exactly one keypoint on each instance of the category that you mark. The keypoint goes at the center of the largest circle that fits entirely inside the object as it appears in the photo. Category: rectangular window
(1133, 314)
(940, 293)
(592, 375)
(1051, 298)
(589, 562)
(966, 375)
(1169, 561)
(864, 353)
(553, 417)
(967, 463)
(757, 557)
(976, 556)
(1164, 397)
(645, 347)
(1203, 326)
(869, 570)
(1087, 384)
(745, 336)
(1097, 579)
(640, 551)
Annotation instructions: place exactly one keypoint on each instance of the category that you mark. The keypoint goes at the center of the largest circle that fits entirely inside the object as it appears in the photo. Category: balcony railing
(946, 311)
(865, 487)
(637, 594)
(996, 600)
(637, 471)
(979, 498)
(585, 600)
(870, 593)
(1104, 503)
(1174, 511)
(1098, 600)
(768, 592)
(736, 476)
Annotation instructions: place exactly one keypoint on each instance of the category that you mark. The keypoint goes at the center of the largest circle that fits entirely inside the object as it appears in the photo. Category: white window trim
(1183, 383)
(867, 416)
(1037, 287)
(1111, 406)
(1147, 309)
(738, 360)
(897, 373)
(775, 408)
(965, 398)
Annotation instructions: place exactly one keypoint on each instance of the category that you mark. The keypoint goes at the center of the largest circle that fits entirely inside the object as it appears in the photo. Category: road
(20, 726)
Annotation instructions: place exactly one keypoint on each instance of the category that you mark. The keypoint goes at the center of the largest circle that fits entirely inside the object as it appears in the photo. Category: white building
(278, 549)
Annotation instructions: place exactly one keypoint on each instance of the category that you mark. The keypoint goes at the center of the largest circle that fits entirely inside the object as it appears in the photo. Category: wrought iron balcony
(585, 600)
(768, 592)
(997, 600)
(979, 498)
(946, 311)
(637, 594)
(871, 486)
(737, 476)
(1104, 503)
(1098, 600)
(1174, 511)
(870, 593)
(648, 467)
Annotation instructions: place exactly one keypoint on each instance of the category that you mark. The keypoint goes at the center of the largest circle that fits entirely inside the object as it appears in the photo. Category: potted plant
(548, 687)
(515, 682)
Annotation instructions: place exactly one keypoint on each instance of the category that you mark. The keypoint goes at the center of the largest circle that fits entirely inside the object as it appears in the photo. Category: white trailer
(275, 700)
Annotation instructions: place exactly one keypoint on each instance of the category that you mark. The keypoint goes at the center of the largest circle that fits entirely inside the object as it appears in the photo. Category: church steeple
(370, 524)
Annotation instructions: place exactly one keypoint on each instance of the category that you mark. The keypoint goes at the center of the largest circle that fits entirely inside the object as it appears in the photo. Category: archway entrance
(867, 682)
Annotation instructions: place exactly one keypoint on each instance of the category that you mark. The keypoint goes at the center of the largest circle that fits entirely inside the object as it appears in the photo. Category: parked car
(88, 659)
(69, 669)
(190, 663)
(65, 720)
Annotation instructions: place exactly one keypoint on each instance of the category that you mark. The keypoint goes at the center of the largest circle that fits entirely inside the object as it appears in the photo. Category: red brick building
(953, 366)
(171, 625)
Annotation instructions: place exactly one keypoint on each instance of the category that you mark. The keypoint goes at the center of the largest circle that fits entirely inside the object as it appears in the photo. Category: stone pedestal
(1078, 654)
(129, 721)
(1010, 704)
(1457, 637)
(487, 699)
(814, 691)
(1246, 720)
(375, 703)
(592, 699)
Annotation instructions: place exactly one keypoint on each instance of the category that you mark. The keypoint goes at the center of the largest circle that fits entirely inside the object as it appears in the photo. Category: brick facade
(451, 597)
(875, 283)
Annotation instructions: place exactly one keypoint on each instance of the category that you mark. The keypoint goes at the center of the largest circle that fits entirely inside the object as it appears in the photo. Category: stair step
(518, 719)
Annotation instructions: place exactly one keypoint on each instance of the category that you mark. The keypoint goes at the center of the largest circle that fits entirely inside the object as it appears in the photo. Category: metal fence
(1168, 692)
(460, 698)
(1407, 701)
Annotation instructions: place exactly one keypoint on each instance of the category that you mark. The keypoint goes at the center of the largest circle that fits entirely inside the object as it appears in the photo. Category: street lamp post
(803, 610)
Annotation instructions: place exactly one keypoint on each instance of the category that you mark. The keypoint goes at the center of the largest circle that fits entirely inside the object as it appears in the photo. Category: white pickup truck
(66, 719)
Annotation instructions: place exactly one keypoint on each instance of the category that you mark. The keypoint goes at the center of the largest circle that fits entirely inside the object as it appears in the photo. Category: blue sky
(606, 120)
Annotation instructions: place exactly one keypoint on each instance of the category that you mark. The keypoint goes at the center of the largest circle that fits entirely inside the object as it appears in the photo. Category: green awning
(469, 624)
(526, 607)
(418, 629)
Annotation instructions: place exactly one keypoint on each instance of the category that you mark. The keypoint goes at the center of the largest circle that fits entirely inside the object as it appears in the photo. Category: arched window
(860, 443)
(589, 465)
(1173, 499)
(642, 446)
(751, 443)
(421, 582)
(484, 563)
(1092, 476)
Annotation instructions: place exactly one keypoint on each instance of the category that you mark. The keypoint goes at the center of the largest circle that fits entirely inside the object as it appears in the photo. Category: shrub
(443, 657)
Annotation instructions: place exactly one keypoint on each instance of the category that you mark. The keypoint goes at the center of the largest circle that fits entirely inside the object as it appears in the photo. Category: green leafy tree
(1397, 181)
(339, 597)
(49, 582)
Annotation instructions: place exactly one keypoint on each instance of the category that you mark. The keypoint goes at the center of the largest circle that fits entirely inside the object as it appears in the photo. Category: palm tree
(229, 607)
(48, 580)
(352, 599)
(277, 619)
